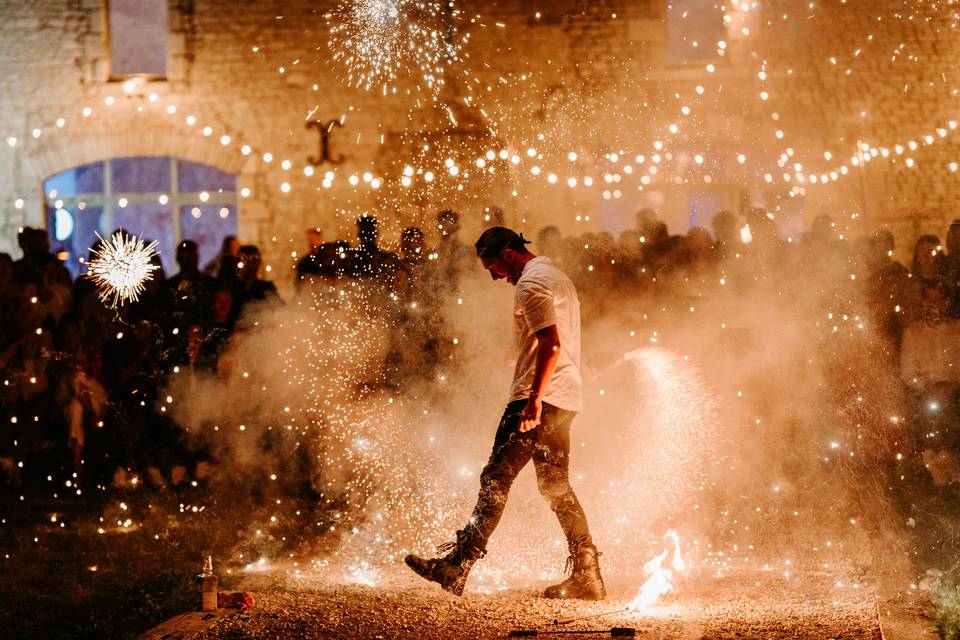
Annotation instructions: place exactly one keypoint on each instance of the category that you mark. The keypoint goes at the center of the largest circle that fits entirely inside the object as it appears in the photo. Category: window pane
(82, 225)
(72, 230)
(194, 177)
(150, 221)
(85, 179)
(138, 37)
(140, 175)
(208, 225)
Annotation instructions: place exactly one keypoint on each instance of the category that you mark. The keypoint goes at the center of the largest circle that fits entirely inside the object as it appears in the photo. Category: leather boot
(585, 582)
(450, 571)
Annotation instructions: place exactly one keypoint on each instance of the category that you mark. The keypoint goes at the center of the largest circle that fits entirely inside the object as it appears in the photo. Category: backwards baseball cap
(495, 240)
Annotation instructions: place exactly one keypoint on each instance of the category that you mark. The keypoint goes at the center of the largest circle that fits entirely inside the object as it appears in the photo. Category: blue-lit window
(158, 198)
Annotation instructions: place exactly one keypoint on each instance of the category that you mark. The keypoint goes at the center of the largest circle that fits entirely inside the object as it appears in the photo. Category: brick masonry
(566, 69)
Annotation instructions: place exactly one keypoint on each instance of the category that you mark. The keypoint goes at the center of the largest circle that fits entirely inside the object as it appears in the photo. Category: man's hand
(530, 416)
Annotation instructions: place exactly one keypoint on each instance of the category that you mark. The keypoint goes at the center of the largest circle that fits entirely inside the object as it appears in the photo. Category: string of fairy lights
(863, 151)
(382, 66)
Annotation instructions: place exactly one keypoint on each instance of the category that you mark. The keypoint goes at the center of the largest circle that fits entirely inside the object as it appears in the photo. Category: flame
(660, 580)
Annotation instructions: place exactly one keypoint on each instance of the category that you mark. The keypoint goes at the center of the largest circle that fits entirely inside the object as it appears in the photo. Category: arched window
(159, 198)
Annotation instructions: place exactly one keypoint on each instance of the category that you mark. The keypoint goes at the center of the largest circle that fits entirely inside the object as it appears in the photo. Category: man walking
(544, 398)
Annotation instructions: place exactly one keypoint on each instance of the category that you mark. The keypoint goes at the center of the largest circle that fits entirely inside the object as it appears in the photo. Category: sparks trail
(379, 41)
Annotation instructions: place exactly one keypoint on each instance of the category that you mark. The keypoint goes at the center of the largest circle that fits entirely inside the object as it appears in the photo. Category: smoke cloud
(736, 409)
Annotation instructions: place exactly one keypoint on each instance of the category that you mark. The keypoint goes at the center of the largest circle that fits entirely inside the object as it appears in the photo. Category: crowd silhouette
(80, 382)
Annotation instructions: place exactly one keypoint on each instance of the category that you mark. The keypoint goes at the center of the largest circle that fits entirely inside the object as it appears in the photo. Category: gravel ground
(756, 605)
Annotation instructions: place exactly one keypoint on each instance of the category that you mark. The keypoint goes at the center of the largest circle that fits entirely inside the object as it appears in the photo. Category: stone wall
(883, 73)
(558, 76)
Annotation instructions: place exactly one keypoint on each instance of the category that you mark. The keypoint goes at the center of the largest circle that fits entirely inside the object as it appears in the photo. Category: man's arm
(548, 352)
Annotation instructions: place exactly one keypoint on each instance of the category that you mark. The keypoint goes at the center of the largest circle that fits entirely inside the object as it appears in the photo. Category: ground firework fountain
(660, 580)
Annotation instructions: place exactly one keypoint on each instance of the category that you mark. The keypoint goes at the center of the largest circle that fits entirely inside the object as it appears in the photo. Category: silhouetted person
(326, 261)
(413, 259)
(948, 269)
(656, 247)
(150, 304)
(645, 220)
(229, 247)
(131, 364)
(930, 344)
(726, 230)
(453, 257)
(7, 294)
(550, 242)
(367, 260)
(824, 253)
(216, 336)
(311, 263)
(35, 245)
(885, 283)
(765, 249)
(188, 292)
(923, 275)
(417, 343)
(250, 288)
(701, 254)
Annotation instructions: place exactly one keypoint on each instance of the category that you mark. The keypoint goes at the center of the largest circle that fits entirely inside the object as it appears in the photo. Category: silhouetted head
(249, 264)
(230, 246)
(314, 238)
(953, 238)
(726, 227)
(645, 219)
(925, 253)
(878, 249)
(222, 305)
(549, 241)
(188, 256)
(367, 231)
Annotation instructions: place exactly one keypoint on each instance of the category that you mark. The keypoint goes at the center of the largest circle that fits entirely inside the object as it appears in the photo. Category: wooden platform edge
(187, 625)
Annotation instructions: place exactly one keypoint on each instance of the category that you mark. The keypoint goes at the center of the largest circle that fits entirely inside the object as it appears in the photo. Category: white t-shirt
(545, 296)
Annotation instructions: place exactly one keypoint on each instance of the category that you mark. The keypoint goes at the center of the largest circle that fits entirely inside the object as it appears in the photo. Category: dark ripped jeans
(549, 447)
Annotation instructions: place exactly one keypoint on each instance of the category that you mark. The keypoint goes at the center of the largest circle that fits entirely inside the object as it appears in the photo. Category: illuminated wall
(572, 113)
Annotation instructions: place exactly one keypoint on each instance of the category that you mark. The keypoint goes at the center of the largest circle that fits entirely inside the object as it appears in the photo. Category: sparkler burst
(380, 40)
(660, 580)
(121, 267)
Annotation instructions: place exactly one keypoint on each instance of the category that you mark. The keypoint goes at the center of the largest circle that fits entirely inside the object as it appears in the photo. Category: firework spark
(660, 580)
(376, 40)
(121, 267)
